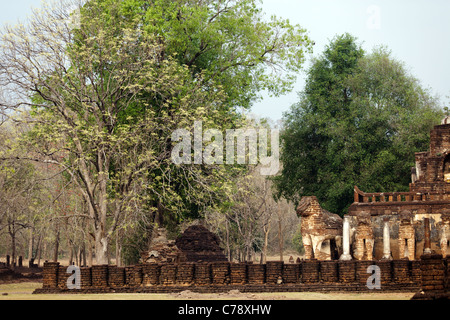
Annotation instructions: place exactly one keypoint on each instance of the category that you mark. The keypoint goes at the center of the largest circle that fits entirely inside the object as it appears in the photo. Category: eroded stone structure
(364, 238)
(444, 237)
(428, 198)
(319, 226)
(199, 244)
(406, 236)
(196, 244)
(162, 250)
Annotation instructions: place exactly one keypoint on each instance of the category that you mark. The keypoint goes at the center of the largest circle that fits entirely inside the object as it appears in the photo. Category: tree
(104, 98)
(247, 224)
(229, 42)
(359, 122)
(21, 197)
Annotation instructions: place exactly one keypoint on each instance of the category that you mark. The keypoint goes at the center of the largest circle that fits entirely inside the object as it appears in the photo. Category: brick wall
(310, 275)
(435, 278)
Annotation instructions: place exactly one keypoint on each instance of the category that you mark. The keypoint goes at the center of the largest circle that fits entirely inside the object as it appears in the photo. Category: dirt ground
(23, 291)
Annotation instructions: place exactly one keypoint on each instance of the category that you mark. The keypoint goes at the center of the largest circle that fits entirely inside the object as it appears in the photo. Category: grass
(23, 291)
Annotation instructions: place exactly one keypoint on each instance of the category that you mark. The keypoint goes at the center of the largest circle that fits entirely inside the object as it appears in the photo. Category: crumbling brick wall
(364, 238)
(406, 237)
(307, 275)
(435, 278)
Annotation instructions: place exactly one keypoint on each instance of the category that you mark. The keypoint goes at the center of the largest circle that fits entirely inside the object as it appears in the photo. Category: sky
(416, 31)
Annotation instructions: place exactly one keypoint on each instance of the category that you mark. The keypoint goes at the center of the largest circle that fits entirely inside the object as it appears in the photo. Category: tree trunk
(91, 254)
(30, 247)
(55, 253)
(84, 254)
(266, 243)
(118, 249)
(101, 248)
(13, 250)
(39, 251)
(230, 258)
(70, 254)
(280, 234)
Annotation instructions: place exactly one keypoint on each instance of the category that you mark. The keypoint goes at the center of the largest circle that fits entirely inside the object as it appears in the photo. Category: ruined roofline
(398, 197)
(382, 203)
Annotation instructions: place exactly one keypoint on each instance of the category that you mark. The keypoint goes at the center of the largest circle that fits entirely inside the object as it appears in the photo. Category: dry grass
(23, 291)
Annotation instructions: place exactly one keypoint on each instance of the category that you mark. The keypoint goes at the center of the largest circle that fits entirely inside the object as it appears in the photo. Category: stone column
(346, 240)
(427, 242)
(386, 240)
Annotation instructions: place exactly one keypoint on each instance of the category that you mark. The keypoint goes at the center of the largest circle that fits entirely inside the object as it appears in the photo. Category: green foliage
(359, 122)
(133, 246)
(297, 242)
(229, 43)
(107, 95)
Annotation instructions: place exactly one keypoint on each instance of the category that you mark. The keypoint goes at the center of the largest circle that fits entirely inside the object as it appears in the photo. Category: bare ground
(24, 290)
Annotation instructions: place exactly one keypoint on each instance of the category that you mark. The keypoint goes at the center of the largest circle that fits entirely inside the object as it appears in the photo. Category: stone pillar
(256, 273)
(86, 277)
(50, 275)
(151, 273)
(99, 276)
(346, 240)
(274, 272)
(329, 271)
(291, 273)
(427, 242)
(445, 231)
(310, 271)
(202, 274)
(406, 236)
(347, 271)
(185, 274)
(433, 278)
(386, 241)
(238, 273)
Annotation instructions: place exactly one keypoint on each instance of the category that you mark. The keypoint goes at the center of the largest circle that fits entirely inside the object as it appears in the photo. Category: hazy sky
(416, 31)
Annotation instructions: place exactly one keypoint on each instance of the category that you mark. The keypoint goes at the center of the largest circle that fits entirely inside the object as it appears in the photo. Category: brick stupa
(199, 244)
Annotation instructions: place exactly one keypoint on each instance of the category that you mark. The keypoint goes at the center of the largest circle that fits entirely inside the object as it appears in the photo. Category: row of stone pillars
(346, 256)
(9, 264)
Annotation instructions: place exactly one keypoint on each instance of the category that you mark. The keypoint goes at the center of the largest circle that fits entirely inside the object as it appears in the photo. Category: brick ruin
(162, 250)
(428, 276)
(321, 230)
(405, 213)
(405, 234)
(364, 238)
(199, 244)
(196, 244)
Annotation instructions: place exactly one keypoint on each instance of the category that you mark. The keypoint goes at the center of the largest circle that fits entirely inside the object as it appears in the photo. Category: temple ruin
(405, 234)
(321, 230)
(196, 244)
(428, 197)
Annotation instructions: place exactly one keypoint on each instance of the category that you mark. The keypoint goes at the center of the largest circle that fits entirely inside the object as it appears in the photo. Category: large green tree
(359, 121)
(107, 92)
(230, 43)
